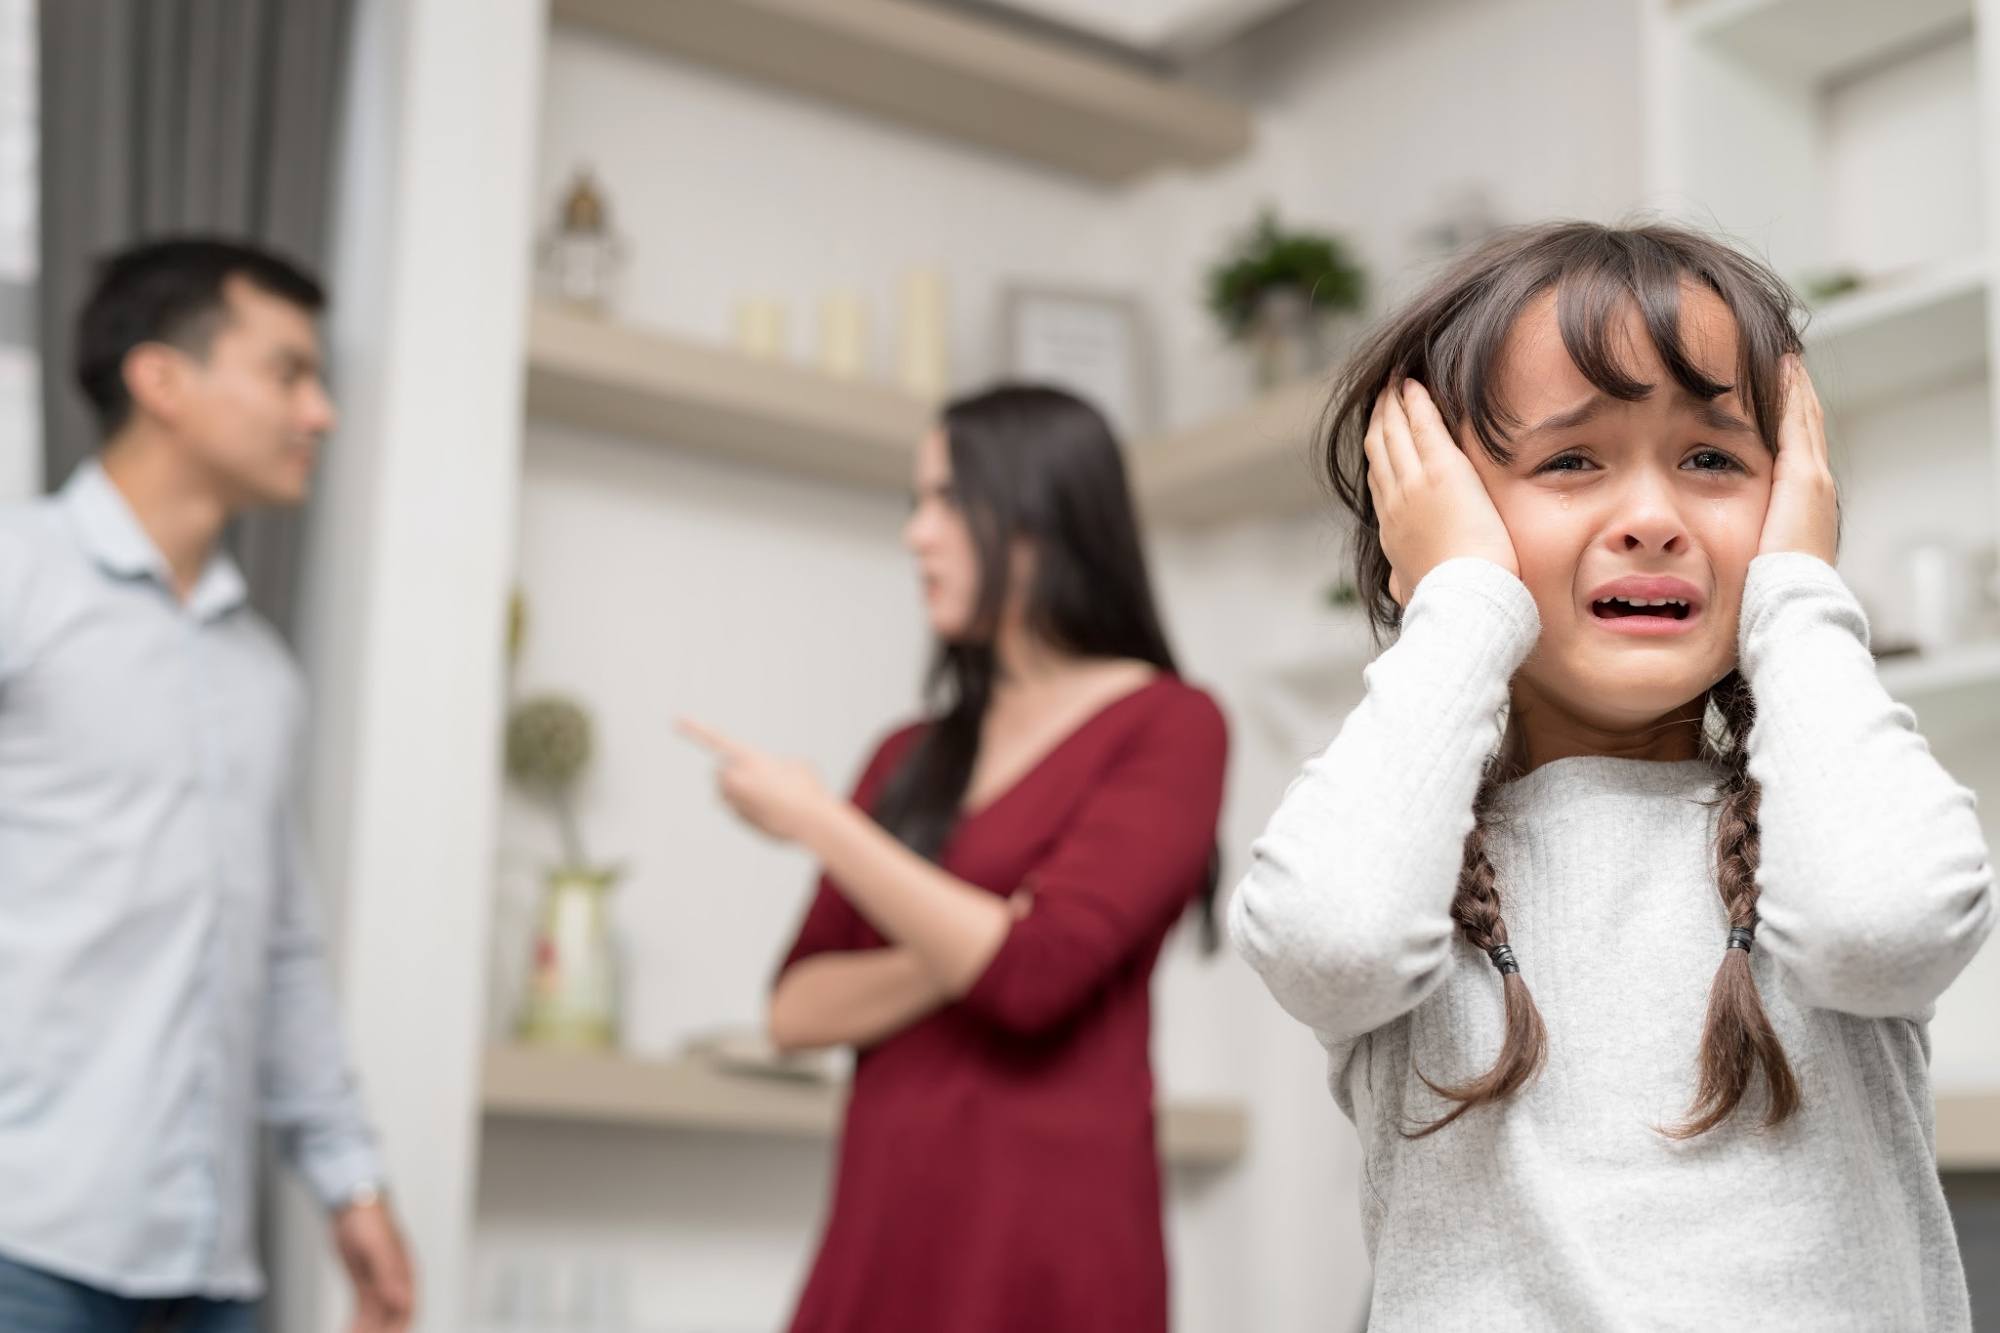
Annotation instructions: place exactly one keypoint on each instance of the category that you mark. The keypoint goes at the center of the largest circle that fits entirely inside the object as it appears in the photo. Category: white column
(408, 567)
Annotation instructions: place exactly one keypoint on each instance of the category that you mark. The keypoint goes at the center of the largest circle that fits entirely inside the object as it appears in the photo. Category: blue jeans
(32, 1301)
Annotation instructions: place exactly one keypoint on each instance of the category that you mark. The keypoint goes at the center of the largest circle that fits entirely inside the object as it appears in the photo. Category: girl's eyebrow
(1717, 417)
(1712, 414)
(1575, 416)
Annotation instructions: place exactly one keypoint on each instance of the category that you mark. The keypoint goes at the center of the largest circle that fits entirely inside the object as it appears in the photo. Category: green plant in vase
(1277, 290)
(572, 993)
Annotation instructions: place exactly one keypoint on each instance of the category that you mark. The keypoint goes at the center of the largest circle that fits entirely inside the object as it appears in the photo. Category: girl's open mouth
(1644, 615)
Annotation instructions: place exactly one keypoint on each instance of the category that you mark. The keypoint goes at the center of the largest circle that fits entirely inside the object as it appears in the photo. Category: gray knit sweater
(1564, 1208)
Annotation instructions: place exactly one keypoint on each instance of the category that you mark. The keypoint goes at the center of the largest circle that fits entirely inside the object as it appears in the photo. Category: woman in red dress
(996, 893)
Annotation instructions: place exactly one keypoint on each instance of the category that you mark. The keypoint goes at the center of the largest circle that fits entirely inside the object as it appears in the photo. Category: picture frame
(1089, 341)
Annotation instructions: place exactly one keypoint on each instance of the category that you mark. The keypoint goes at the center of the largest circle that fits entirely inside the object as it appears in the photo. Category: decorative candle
(924, 357)
(760, 327)
(843, 336)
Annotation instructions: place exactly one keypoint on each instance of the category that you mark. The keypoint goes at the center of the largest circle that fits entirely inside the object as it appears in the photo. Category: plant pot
(572, 992)
(1288, 338)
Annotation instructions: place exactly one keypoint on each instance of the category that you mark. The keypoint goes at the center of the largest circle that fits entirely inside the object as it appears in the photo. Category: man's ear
(156, 379)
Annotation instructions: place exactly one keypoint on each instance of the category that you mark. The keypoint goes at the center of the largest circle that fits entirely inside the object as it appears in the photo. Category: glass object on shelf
(1942, 595)
(572, 993)
(581, 256)
(1464, 217)
(572, 997)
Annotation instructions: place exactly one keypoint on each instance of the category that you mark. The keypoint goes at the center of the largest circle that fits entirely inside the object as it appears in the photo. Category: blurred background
(640, 307)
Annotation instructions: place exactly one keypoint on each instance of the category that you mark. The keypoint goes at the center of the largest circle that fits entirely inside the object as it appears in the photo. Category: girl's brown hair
(1449, 338)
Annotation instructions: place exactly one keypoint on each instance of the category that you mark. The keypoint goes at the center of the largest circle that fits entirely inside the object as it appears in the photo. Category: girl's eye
(1712, 460)
(1566, 463)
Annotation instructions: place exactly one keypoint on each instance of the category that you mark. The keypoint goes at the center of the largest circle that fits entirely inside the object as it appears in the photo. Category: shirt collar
(112, 536)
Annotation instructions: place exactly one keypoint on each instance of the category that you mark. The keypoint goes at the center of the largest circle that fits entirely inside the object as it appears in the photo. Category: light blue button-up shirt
(163, 990)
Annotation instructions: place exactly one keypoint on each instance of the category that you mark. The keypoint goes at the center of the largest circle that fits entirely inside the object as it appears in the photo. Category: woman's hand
(777, 797)
(1430, 505)
(1804, 513)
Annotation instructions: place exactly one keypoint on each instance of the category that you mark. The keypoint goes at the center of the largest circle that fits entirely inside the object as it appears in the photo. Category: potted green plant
(1277, 290)
(572, 993)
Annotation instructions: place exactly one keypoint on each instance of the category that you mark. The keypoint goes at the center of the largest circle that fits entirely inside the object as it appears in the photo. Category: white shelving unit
(1840, 136)
(1862, 137)
(1817, 40)
(1903, 334)
(950, 72)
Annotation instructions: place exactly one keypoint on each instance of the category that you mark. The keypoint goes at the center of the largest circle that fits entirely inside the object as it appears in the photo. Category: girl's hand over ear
(1804, 514)
(1430, 504)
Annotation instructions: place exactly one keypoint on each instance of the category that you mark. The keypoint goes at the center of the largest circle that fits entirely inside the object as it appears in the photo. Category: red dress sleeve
(1132, 858)
(831, 924)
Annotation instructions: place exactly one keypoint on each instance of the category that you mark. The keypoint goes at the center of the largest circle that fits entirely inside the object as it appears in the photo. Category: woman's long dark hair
(1449, 338)
(1036, 463)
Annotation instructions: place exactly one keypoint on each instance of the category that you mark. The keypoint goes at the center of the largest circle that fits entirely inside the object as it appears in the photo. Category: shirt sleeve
(1875, 882)
(306, 1087)
(1134, 854)
(831, 924)
(1346, 909)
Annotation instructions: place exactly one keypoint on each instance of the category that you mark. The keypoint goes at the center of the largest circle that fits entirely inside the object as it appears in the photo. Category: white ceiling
(1179, 27)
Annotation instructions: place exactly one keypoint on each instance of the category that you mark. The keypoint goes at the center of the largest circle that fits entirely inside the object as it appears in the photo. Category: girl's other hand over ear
(1804, 514)
(1429, 501)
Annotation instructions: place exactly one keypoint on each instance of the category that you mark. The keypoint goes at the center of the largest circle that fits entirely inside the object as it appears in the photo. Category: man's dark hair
(169, 291)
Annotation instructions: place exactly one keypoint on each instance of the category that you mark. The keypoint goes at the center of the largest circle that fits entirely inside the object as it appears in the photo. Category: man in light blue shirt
(163, 989)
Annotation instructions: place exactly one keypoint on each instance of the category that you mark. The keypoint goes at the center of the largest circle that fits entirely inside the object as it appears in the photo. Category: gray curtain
(172, 116)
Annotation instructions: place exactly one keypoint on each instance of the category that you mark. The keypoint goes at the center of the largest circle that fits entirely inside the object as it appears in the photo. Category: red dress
(998, 1172)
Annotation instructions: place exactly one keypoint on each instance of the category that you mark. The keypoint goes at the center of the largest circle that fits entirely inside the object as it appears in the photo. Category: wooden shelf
(945, 71)
(1817, 40)
(1259, 460)
(523, 1082)
(1955, 693)
(1927, 328)
(656, 386)
(1922, 675)
(1968, 1131)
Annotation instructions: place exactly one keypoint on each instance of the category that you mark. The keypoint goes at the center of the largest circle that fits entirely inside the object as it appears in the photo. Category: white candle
(760, 327)
(843, 335)
(924, 356)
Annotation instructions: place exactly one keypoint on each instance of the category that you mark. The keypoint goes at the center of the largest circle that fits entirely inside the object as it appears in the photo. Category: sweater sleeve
(1875, 884)
(1131, 858)
(1346, 909)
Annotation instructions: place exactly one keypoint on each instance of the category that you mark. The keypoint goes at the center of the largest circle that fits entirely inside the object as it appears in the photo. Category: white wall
(1901, 170)
(660, 582)
(405, 594)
